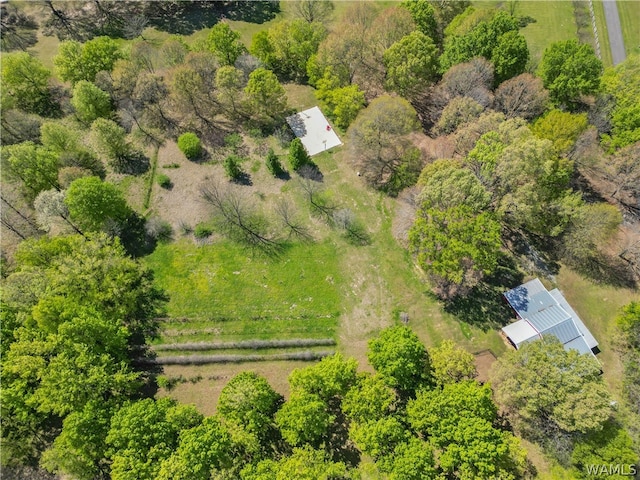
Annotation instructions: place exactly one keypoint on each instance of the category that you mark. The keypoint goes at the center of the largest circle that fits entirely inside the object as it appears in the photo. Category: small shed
(314, 130)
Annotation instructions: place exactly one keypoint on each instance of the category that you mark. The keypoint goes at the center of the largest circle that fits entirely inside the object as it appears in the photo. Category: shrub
(190, 145)
(273, 164)
(163, 180)
(202, 230)
(159, 230)
(233, 141)
(232, 167)
(298, 155)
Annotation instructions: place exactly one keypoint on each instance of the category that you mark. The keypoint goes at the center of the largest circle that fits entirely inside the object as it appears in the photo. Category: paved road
(615, 31)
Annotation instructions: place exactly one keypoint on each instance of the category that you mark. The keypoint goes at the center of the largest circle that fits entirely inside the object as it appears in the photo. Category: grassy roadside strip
(629, 11)
(603, 33)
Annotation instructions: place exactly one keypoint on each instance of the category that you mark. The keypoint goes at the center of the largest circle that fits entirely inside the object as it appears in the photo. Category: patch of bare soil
(484, 360)
(441, 147)
(181, 204)
(202, 384)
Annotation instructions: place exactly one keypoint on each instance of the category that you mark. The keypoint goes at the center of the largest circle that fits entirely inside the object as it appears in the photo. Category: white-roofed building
(542, 314)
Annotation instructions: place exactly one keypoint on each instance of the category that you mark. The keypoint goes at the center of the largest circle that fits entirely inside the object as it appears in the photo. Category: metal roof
(520, 332)
(589, 338)
(548, 317)
(546, 314)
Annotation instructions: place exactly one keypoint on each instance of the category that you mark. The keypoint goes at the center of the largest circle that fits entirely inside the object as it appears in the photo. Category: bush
(298, 155)
(273, 164)
(190, 145)
(233, 141)
(232, 167)
(163, 180)
(202, 230)
(159, 230)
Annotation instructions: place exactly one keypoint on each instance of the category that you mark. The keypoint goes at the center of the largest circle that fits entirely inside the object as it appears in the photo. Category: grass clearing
(629, 12)
(555, 22)
(598, 306)
(246, 296)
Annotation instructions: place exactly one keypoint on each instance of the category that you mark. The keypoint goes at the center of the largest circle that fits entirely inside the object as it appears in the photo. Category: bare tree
(237, 218)
(291, 222)
(314, 193)
(313, 10)
(522, 96)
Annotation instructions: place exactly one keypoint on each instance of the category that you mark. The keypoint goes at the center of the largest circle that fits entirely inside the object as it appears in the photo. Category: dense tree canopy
(25, 84)
(546, 389)
(570, 70)
(378, 136)
(225, 43)
(411, 64)
(76, 61)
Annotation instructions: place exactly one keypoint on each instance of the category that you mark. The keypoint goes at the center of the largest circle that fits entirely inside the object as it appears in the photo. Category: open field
(629, 11)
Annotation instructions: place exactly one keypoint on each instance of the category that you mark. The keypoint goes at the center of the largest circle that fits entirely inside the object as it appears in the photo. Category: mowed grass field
(629, 11)
(232, 294)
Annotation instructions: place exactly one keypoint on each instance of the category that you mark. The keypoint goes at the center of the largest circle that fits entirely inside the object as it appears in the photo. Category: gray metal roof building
(545, 313)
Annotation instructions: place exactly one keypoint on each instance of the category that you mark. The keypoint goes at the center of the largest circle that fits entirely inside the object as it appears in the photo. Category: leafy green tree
(610, 446)
(144, 433)
(380, 437)
(314, 10)
(331, 377)
(446, 184)
(451, 364)
(510, 56)
(36, 167)
(287, 46)
(570, 70)
(545, 390)
(458, 420)
(533, 186)
(248, 400)
(400, 358)
(232, 167)
(341, 103)
(379, 141)
(562, 128)
(424, 15)
(304, 419)
(90, 102)
(411, 64)
(201, 450)
(225, 43)
(482, 41)
(111, 140)
(273, 164)
(266, 98)
(230, 82)
(76, 61)
(92, 203)
(80, 448)
(411, 460)
(456, 247)
(369, 399)
(25, 84)
(436, 412)
(303, 464)
(621, 83)
(298, 156)
(190, 145)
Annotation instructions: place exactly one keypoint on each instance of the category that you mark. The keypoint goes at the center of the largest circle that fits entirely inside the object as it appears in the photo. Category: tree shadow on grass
(484, 306)
(185, 18)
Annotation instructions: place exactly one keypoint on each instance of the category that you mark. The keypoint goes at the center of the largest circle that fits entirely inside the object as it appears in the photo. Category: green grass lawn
(603, 35)
(598, 306)
(250, 296)
(554, 22)
(629, 11)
